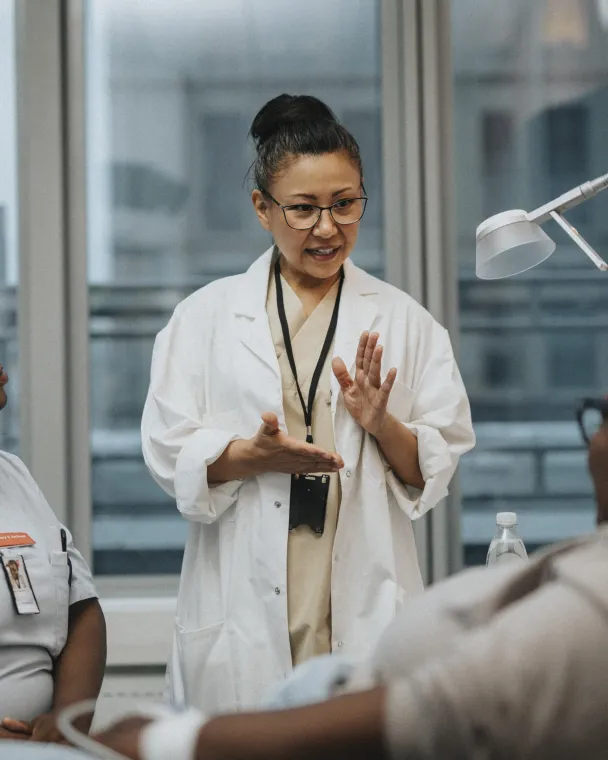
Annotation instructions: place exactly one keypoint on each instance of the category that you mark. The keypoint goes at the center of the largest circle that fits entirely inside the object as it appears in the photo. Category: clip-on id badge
(19, 583)
(308, 501)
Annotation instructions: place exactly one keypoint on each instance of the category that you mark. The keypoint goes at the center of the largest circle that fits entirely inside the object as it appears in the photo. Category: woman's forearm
(236, 463)
(400, 448)
(79, 669)
(347, 728)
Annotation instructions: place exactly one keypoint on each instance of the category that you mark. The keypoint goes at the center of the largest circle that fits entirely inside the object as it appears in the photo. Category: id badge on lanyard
(19, 583)
(309, 493)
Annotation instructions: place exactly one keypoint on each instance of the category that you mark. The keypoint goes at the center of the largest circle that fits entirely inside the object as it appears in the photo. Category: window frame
(54, 299)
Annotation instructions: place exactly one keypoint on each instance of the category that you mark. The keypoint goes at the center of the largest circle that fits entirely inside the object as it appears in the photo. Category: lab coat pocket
(206, 669)
(401, 401)
(60, 573)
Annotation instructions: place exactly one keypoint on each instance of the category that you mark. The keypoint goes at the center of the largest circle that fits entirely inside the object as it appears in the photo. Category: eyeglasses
(591, 415)
(304, 216)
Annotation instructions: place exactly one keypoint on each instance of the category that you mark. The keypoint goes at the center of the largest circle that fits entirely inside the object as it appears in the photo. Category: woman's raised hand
(366, 396)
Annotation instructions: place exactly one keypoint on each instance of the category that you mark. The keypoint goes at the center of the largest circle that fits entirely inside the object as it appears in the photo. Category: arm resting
(79, 669)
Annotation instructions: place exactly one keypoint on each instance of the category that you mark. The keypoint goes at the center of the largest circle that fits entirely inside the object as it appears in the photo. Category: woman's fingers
(387, 385)
(375, 367)
(369, 351)
(361, 350)
(341, 374)
(311, 458)
(16, 726)
(270, 424)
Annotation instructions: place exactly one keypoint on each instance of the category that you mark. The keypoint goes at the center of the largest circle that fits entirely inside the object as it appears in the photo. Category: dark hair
(296, 125)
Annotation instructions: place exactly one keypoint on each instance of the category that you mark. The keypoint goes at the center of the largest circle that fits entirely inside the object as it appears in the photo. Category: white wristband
(173, 737)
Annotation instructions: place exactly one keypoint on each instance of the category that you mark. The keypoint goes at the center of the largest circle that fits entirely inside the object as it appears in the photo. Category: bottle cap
(506, 519)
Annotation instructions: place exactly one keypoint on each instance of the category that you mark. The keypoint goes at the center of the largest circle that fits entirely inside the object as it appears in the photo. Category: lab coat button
(340, 644)
(277, 591)
(348, 473)
(277, 504)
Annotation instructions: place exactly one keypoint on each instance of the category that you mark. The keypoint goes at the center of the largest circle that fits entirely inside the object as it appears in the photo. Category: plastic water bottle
(506, 546)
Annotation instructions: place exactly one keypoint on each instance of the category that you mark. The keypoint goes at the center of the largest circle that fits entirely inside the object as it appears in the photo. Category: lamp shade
(508, 244)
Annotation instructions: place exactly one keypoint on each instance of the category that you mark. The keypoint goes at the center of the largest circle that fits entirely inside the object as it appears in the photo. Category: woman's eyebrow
(313, 197)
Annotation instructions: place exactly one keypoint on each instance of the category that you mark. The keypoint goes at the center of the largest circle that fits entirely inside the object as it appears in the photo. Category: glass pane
(170, 100)
(9, 419)
(531, 104)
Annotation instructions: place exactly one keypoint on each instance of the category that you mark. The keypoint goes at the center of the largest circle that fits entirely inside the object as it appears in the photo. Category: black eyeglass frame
(601, 404)
(320, 209)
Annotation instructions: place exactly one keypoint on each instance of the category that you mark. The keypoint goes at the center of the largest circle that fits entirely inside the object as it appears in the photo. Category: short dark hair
(296, 125)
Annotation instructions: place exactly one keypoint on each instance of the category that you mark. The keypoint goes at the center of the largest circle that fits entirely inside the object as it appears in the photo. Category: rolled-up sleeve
(179, 440)
(440, 418)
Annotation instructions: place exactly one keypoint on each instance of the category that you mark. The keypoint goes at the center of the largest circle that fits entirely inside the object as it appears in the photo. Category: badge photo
(19, 584)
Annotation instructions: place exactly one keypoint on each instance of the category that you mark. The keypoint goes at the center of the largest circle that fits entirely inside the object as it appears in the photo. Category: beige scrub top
(309, 555)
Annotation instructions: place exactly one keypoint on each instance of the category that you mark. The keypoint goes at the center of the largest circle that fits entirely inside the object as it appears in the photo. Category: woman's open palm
(366, 396)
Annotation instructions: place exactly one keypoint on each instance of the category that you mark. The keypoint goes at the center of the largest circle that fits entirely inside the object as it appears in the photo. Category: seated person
(510, 662)
(52, 630)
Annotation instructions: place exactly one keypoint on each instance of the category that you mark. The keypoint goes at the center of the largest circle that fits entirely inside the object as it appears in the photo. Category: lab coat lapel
(357, 314)
(251, 319)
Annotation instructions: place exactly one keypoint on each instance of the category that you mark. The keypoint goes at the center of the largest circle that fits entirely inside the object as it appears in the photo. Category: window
(572, 362)
(532, 346)
(223, 160)
(170, 100)
(9, 418)
(497, 142)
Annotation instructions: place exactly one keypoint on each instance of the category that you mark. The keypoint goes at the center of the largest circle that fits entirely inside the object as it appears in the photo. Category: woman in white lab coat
(52, 630)
(281, 565)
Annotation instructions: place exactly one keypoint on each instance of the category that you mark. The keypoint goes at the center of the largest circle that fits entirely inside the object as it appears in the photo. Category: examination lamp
(513, 241)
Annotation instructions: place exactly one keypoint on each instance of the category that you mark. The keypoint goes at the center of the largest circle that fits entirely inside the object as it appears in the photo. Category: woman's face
(322, 180)
(3, 382)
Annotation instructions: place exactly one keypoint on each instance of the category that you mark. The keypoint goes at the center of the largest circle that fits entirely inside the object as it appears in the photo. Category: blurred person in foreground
(510, 662)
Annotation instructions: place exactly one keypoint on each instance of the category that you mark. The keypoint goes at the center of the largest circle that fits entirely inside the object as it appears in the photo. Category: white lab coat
(29, 644)
(214, 371)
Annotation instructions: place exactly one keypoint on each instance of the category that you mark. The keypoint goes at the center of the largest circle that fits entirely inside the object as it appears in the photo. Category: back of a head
(296, 125)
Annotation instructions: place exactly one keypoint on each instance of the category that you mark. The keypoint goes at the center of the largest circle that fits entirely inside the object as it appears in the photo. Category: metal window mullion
(392, 141)
(441, 267)
(41, 304)
(401, 136)
(78, 410)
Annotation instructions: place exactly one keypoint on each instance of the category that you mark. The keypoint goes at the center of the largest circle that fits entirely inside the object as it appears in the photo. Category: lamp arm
(569, 200)
(580, 241)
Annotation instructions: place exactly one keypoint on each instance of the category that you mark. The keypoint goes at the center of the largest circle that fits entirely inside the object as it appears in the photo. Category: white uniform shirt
(30, 643)
(214, 371)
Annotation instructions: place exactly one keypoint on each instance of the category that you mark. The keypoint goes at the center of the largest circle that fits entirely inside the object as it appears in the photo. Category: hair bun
(285, 110)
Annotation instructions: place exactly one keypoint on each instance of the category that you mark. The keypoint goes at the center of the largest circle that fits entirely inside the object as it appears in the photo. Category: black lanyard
(324, 351)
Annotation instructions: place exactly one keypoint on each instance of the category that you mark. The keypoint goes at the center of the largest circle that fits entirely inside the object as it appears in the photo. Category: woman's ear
(260, 204)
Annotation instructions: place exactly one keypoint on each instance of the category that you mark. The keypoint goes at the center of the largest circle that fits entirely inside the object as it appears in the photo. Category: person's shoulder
(396, 304)
(210, 297)
(11, 467)
(225, 293)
